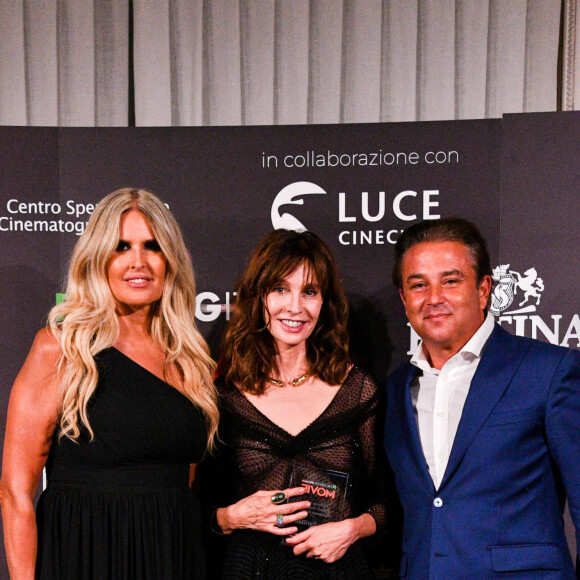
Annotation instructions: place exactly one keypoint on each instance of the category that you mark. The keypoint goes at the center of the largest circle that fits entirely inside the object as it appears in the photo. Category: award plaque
(325, 490)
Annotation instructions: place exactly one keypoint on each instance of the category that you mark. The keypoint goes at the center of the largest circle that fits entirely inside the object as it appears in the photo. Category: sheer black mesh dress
(257, 454)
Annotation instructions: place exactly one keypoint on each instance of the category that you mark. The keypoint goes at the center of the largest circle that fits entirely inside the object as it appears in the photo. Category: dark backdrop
(357, 186)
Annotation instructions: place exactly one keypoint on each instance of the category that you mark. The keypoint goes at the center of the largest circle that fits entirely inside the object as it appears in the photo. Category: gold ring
(278, 498)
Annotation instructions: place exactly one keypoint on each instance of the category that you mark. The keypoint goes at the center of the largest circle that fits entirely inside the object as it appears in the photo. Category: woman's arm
(33, 412)
(330, 541)
(376, 474)
(257, 512)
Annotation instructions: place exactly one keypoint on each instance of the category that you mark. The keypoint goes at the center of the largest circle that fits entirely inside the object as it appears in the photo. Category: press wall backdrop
(358, 186)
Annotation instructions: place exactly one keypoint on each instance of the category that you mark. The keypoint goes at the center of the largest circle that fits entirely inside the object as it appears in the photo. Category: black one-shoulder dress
(119, 507)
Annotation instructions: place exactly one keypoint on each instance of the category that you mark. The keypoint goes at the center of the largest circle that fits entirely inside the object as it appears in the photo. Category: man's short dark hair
(452, 229)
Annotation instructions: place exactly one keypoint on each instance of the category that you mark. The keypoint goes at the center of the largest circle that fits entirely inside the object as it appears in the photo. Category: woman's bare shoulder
(40, 367)
(45, 344)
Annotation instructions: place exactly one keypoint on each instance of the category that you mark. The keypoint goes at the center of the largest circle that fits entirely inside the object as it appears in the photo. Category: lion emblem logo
(508, 282)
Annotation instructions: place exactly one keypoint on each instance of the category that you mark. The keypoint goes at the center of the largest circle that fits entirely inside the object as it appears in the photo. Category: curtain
(64, 62)
(247, 62)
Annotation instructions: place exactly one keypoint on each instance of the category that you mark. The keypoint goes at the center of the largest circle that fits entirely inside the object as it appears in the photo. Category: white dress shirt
(439, 396)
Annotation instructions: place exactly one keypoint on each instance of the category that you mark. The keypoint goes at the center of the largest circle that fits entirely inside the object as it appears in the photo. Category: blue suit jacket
(498, 511)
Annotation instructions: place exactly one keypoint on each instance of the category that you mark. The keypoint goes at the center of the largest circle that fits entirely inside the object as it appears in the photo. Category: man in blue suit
(482, 428)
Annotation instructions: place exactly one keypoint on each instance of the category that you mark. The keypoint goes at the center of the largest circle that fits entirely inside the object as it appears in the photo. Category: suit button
(437, 502)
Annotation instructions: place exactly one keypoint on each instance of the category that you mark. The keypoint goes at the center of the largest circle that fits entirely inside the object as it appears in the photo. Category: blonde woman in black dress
(116, 398)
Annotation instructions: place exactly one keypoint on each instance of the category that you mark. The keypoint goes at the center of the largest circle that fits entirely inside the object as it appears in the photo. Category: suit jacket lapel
(411, 430)
(500, 360)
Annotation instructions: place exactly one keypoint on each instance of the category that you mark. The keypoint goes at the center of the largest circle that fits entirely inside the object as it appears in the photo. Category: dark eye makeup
(151, 245)
(122, 245)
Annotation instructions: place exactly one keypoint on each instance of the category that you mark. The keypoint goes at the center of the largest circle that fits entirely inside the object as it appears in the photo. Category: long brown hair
(248, 350)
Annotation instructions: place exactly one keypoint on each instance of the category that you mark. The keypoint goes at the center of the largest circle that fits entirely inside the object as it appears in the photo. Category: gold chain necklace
(294, 382)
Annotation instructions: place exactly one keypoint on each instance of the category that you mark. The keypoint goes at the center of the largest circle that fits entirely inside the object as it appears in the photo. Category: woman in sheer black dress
(291, 402)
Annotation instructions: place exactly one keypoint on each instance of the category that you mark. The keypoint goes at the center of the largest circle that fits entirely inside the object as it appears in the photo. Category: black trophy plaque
(326, 492)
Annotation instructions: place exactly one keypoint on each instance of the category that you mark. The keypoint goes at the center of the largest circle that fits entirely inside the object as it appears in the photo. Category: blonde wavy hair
(86, 322)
